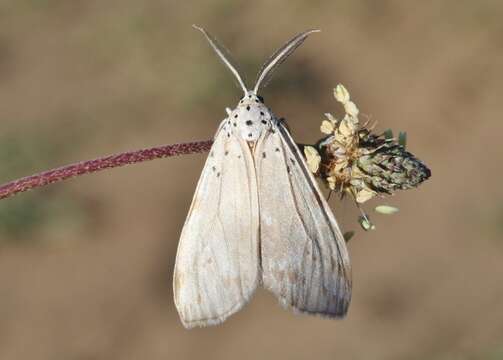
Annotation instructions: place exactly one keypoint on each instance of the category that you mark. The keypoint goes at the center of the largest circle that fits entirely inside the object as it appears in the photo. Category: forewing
(304, 257)
(216, 267)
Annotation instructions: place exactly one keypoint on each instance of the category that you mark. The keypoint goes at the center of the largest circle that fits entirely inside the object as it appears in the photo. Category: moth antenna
(220, 50)
(278, 57)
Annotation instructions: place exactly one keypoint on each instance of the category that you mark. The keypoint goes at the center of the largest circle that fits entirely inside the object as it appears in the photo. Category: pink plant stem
(108, 162)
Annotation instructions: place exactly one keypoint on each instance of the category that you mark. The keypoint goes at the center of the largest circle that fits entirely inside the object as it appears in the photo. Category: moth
(258, 218)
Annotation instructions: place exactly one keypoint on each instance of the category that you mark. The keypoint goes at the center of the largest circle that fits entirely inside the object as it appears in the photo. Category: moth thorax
(250, 118)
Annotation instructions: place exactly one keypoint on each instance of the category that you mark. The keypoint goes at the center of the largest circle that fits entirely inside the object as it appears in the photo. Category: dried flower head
(351, 159)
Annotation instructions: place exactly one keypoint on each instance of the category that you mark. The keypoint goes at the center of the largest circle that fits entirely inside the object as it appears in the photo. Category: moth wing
(216, 270)
(305, 262)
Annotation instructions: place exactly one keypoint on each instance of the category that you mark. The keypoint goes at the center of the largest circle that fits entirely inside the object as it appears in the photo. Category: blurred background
(86, 265)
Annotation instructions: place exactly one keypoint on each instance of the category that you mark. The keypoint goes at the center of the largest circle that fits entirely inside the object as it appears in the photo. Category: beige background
(85, 266)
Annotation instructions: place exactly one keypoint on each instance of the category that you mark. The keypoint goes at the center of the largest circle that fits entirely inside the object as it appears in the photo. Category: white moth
(258, 218)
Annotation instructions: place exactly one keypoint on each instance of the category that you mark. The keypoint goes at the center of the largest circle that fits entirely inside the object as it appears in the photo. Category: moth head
(251, 98)
(267, 69)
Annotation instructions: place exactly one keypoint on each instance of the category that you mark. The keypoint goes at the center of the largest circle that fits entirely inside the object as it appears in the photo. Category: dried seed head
(352, 159)
(388, 167)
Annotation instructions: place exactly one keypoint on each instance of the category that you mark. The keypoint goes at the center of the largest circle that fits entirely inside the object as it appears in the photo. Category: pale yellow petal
(331, 182)
(341, 94)
(364, 195)
(340, 165)
(339, 137)
(347, 128)
(331, 118)
(313, 159)
(351, 109)
(327, 127)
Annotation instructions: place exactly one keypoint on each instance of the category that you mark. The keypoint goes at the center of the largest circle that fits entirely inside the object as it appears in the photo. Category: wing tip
(202, 323)
(217, 320)
(337, 310)
(340, 313)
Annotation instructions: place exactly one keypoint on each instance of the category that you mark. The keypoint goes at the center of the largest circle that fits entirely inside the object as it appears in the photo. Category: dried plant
(351, 159)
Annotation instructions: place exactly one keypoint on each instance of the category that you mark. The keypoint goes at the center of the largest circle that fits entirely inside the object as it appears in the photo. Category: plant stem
(107, 162)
